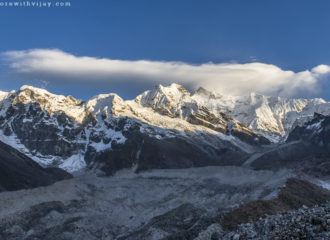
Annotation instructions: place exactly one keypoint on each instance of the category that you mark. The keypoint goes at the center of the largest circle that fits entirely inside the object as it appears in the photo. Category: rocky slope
(20, 172)
(305, 223)
(163, 204)
(152, 204)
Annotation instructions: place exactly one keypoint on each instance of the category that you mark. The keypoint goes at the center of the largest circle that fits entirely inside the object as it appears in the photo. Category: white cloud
(321, 69)
(230, 78)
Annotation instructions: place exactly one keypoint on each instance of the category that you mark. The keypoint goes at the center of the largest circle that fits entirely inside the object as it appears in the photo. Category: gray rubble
(306, 223)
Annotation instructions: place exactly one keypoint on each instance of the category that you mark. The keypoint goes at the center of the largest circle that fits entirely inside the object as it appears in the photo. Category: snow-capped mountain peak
(163, 95)
(274, 117)
(3, 95)
(168, 101)
(47, 101)
(105, 104)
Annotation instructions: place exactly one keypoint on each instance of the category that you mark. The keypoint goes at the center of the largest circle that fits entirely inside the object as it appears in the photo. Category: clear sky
(292, 35)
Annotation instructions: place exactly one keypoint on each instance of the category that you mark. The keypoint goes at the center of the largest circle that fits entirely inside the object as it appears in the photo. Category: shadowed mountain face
(307, 148)
(20, 172)
(142, 152)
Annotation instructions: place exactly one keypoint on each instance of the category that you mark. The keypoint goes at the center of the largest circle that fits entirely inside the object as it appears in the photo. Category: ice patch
(74, 163)
(101, 146)
(315, 126)
(325, 184)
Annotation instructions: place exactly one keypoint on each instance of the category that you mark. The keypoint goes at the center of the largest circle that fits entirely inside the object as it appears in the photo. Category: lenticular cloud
(231, 78)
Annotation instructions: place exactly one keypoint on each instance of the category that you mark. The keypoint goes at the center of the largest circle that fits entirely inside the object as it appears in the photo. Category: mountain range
(166, 127)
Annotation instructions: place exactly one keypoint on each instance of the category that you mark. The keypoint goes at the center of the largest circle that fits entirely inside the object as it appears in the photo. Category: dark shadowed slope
(17, 171)
(307, 149)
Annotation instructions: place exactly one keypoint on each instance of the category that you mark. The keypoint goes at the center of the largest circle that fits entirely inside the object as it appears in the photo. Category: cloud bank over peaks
(57, 66)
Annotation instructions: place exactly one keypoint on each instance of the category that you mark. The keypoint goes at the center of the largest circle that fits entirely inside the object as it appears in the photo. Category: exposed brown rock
(294, 195)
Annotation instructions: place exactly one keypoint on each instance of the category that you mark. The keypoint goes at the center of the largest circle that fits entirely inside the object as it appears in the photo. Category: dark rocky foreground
(17, 171)
(295, 194)
(306, 223)
(203, 203)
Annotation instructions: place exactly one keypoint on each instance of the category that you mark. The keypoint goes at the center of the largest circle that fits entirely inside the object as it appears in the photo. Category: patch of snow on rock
(74, 163)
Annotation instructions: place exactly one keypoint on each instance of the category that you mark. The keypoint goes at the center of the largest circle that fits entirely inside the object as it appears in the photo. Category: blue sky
(292, 35)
